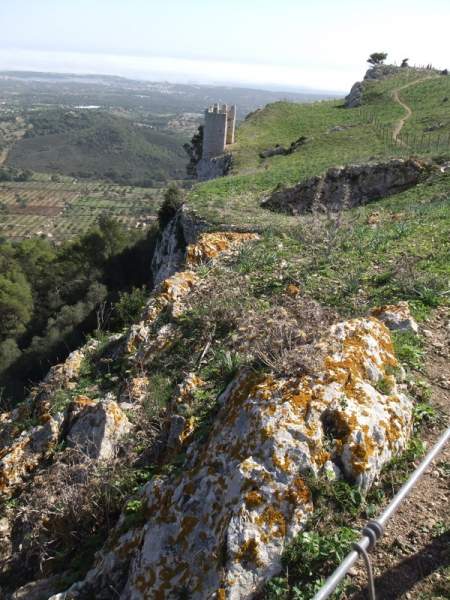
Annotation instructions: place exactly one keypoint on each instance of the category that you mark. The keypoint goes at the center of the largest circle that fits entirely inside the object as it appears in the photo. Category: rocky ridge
(351, 185)
(217, 530)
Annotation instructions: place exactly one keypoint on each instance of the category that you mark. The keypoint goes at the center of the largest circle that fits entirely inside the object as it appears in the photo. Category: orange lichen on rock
(292, 290)
(249, 552)
(273, 520)
(219, 526)
(253, 499)
(298, 493)
(210, 245)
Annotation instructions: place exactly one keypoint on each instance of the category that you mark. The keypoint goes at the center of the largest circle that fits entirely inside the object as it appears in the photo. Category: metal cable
(370, 580)
(375, 529)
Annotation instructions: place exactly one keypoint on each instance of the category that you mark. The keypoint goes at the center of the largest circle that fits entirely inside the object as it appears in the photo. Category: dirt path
(412, 561)
(408, 112)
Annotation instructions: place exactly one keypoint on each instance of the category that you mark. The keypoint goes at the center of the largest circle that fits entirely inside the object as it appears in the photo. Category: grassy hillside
(396, 248)
(393, 249)
(98, 145)
(236, 198)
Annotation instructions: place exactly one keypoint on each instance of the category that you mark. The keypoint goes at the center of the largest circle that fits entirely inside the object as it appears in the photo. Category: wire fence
(406, 143)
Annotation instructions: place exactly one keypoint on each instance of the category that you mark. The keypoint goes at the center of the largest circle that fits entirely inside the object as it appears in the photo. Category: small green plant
(277, 589)
(424, 413)
(409, 349)
(134, 506)
(384, 386)
(312, 556)
(60, 400)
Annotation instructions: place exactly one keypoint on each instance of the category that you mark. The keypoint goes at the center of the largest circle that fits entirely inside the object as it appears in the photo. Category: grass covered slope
(336, 136)
(98, 145)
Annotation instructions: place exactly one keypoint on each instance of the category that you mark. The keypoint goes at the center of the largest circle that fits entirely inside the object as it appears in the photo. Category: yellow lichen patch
(361, 453)
(137, 388)
(321, 456)
(300, 399)
(188, 430)
(253, 499)
(187, 388)
(292, 290)
(249, 552)
(210, 245)
(274, 520)
(178, 285)
(298, 492)
(82, 401)
(283, 464)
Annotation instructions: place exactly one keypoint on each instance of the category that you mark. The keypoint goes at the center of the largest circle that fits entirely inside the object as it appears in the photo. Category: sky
(284, 44)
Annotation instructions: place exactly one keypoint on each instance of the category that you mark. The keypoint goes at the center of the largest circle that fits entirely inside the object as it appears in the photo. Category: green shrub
(173, 200)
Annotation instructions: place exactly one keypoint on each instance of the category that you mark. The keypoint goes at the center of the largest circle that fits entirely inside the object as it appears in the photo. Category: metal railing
(375, 528)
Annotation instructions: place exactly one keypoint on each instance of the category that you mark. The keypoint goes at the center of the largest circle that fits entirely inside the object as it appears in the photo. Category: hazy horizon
(292, 46)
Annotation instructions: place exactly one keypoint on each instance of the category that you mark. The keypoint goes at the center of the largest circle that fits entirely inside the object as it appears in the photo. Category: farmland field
(61, 210)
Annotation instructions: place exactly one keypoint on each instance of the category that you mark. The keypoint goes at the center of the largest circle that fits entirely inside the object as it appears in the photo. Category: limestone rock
(26, 452)
(354, 98)
(378, 72)
(97, 429)
(211, 245)
(345, 187)
(218, 529)
(211, 168)
(169, 254)
(38, 590)
(396, 317)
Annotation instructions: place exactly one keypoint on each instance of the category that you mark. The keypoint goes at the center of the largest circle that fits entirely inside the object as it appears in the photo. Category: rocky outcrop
(396, 317)
(354, 98)
(211, 168)
(345, 187)
(170, 250)
(218, 529)
(281, 150)
(378, 72)
(168, 296)
(375, 73)
(96, 428)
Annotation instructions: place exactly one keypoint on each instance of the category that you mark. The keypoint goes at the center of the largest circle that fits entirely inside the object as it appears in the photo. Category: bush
(129, 307)
(173, 201)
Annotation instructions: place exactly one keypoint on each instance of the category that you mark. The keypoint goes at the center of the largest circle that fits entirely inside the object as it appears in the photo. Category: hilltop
(229, 436)
(334, 136)
(98, 145)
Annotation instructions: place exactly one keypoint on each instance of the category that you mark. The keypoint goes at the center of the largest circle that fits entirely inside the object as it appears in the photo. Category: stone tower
(219, 129)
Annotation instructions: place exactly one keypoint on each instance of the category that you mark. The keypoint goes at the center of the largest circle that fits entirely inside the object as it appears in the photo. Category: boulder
(26, 452)
(96, 429)
(354, 98)
(218, 529)
(396, 317)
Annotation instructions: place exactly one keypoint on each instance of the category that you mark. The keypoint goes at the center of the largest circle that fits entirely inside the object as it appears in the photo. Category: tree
(194, 150)
(404, 63)
(377, 58)
(16, 300)
(173, 200)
